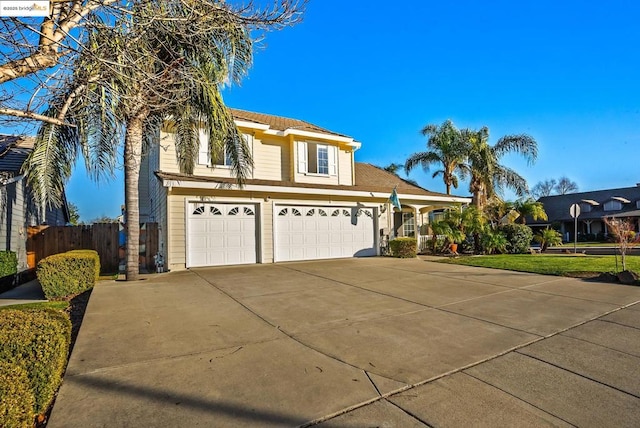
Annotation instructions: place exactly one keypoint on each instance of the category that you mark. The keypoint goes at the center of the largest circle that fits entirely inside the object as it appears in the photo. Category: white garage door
(307, 233)
(220, 234)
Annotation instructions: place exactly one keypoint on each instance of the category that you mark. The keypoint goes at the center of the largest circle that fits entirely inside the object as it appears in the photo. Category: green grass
(564, 265)
(57, 305)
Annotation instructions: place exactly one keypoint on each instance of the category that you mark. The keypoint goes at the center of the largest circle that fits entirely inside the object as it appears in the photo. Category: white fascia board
(309, 134)
(310, 191)
(355, 144)
(252, 125)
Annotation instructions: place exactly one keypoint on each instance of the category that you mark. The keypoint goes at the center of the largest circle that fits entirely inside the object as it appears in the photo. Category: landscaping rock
(628, 277)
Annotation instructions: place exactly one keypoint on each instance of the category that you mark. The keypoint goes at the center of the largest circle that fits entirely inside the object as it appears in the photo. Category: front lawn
(560, 264)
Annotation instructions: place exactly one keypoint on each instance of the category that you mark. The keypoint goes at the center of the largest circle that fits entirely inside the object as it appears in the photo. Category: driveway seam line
(620, 324)
(407, 412)
(458, 370)
(438, 308)
(166, 358)
(518, 398)
(285, 333)
(576, 373)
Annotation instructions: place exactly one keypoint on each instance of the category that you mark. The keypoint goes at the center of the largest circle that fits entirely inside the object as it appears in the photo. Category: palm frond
(521, 144)
(424, 159)
(49, 166)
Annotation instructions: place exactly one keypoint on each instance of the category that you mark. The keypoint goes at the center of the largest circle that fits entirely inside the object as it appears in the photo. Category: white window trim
(303, 158)
(203, 150)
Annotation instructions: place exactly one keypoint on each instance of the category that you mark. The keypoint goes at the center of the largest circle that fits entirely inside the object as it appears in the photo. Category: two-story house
(306, 198)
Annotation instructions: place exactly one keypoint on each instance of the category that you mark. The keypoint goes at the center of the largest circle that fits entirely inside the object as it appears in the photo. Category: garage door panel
(221, 234)
(323, 232)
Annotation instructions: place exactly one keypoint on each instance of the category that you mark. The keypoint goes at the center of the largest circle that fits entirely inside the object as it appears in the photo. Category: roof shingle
(280, 123)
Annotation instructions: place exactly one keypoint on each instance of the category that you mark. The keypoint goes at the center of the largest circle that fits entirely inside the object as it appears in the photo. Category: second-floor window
(218, 158)
(317, 158)
(613, 205)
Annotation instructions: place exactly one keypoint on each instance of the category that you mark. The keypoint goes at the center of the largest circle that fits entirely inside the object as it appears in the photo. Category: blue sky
(565, 73)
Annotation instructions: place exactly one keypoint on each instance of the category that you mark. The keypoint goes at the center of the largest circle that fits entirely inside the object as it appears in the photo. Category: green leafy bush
(404, 247)
(547, 238)
(519, 237)
(38, 341)
(494, 241)
(16, 397)
(8, 263)
(69, 273)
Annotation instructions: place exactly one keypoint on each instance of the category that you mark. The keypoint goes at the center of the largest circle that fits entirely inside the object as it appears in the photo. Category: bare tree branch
(34, 116)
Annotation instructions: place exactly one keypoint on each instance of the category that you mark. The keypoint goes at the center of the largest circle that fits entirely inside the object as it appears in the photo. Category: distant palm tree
(531, 208)
(488, 176)
(444, 148)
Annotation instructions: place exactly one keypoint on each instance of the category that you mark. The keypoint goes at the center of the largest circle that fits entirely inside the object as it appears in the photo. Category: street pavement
(353, 343)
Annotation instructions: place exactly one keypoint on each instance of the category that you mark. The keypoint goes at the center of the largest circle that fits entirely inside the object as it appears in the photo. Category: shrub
(38, 341)
(547, 238)
(519, 237)
(69, 273)
(16, 397)
(494, 241)
(404, 247)
(8, 263)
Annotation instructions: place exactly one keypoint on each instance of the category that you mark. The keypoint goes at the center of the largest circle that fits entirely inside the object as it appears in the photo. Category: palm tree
(531, 208)
(444, 147)
(488, 176)
(158, 69)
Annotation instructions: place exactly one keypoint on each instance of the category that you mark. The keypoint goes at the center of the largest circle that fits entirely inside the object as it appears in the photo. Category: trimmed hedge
(16, 397)
(8, 263)
(404, 247)
(68, 274)
(38, 341)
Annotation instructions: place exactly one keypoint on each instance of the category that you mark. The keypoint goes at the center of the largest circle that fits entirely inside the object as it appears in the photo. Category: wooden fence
(106, 238)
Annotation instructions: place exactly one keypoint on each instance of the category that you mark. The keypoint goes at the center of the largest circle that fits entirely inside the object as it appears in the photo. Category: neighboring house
(19, 210)
(306, 198)
(594, 206)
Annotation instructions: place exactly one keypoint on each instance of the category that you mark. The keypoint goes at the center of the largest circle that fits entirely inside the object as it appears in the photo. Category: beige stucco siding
(345, 165)
(270, 158)
(267, 233)
(177, 232)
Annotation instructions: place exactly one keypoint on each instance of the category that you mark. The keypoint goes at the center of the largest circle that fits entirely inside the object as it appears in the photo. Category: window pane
(312, 160)
(408, 225)
(323, 160)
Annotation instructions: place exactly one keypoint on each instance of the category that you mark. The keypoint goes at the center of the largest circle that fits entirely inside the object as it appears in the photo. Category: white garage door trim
(221, 233)
(312, 232)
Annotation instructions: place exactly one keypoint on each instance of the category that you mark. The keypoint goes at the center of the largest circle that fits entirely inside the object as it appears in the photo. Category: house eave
(310, 191)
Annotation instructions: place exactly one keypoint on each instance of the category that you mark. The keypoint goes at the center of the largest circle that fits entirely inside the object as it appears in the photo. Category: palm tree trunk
(132, 160)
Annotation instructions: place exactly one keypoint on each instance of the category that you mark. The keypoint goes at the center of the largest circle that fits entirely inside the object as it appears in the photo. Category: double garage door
(226, 234)
(307, 233)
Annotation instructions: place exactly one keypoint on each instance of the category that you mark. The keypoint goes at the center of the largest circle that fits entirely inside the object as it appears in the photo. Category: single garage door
(220, 234)
(307, 233)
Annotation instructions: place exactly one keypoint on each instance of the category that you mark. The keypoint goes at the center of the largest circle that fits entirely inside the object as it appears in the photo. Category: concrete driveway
(353, 343)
